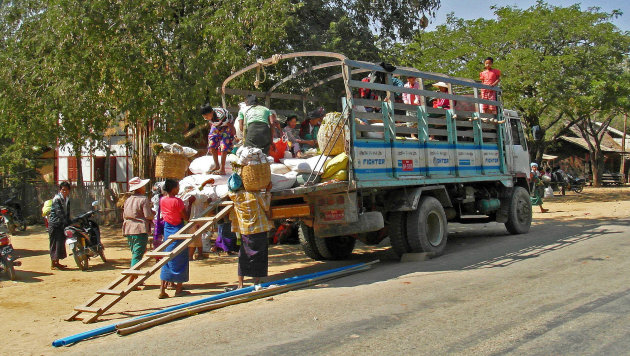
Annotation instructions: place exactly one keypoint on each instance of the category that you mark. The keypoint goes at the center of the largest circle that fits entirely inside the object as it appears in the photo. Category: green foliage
(556, 62)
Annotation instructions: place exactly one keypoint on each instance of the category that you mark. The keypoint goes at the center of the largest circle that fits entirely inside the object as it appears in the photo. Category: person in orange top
(489, 76)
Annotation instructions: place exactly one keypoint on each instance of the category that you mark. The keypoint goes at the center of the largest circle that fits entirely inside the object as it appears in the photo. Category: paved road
(561, 289)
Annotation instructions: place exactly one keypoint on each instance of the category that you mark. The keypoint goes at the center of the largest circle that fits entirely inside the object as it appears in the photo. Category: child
(174, 213)
(293, 134)
(490, 77)
(221, 136)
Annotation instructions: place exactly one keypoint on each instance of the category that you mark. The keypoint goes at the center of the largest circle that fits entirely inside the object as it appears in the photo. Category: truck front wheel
(427, 228)
(520, 212)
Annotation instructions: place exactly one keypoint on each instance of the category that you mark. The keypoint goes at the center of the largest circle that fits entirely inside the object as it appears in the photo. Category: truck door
(517, 155)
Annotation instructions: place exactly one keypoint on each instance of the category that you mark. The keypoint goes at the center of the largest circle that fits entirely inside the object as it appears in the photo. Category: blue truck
(412, 168)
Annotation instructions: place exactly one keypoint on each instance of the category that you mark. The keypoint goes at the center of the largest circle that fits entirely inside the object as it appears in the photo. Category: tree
(542, 52)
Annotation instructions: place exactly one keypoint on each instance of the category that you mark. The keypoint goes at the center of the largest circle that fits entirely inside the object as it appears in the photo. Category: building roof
(582, 143)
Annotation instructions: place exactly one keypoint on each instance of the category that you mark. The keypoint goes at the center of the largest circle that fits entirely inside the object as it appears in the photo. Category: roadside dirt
(33, 307)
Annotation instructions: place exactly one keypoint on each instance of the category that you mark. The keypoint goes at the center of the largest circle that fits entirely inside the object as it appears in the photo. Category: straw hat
(137, 183)
(440, 85)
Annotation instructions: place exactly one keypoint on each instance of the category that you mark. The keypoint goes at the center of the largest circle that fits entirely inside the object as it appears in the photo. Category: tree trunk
(596, 167)
(141, 158)
(77, 156)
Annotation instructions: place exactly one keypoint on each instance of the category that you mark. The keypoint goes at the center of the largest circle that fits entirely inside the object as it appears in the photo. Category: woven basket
(330, 130)
(171, 165)
(256, 176)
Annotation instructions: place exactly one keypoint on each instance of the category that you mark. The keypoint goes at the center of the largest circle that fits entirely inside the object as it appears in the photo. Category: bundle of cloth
(179, 149)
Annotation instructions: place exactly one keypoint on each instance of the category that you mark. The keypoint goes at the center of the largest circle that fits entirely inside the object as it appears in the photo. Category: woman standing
(137, 216)
(539, 187)
(255, 123)
(173, 213)
(58, 219)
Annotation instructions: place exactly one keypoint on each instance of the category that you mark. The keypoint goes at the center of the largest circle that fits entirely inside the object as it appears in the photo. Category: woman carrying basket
(254, 122)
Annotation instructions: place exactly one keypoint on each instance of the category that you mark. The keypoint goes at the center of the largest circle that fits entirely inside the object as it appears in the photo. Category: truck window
(518, 136)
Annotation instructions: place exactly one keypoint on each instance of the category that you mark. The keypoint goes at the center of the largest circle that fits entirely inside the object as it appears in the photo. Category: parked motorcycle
(83, 238)
(11, 210)
(562, 181)
(8, 258)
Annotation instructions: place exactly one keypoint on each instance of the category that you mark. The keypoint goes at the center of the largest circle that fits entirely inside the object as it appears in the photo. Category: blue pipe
(111, 328)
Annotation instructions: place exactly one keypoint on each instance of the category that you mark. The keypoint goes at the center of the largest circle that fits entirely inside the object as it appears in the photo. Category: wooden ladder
(143, 273)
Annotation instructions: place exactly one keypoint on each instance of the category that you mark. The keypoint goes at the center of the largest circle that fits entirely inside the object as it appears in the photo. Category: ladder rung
(86, 309)
(135, 272)
(158, 254)
(204, 218)
(109, 292)
(181, 236)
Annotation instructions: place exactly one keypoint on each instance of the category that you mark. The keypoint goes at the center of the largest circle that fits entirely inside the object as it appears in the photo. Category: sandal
(163, 296)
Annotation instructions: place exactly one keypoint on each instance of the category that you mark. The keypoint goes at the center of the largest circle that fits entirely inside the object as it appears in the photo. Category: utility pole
(623, 148)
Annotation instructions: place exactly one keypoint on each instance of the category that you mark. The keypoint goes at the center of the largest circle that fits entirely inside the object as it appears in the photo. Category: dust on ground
(33, 308)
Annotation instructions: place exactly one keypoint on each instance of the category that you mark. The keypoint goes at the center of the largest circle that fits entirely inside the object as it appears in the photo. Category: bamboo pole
(132, 326)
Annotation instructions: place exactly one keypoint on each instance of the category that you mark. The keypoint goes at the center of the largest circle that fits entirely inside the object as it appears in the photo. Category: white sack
(201, 165)
(283, 181)
(279, 168)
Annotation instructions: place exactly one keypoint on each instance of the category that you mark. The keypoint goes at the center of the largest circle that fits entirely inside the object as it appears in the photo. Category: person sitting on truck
(310, 128)
(441, 103)
(292, 132)
(489, 76)
(254, 122)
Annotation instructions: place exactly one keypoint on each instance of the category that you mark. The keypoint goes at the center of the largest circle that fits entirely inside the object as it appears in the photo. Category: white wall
(62, 169)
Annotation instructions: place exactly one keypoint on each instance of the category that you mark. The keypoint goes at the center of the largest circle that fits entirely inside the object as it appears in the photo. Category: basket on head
(171, 165)
(331, 136)
(256, 176)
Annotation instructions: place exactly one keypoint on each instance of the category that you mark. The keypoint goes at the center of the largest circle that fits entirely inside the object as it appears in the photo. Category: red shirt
(488, 77)
(173, 210)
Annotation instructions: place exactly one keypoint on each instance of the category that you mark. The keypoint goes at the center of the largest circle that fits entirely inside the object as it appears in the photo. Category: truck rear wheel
(427, 228)
(335, 248)
(307, 241)
(397, 232)
(520, 212)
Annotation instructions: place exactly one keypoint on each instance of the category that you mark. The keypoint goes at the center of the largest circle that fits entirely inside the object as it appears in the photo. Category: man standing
(58, 219)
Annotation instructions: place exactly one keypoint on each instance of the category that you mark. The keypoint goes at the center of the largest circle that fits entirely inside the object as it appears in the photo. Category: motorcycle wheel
(81, 261)
(10, 270)
(578, 188)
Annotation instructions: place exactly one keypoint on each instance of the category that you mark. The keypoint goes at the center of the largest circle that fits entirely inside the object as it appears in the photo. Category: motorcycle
(83, 238)
(563, 181)
(11, 210)
(8, 259)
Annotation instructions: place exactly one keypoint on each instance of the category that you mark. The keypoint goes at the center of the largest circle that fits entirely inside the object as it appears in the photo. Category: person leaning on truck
(254, 122)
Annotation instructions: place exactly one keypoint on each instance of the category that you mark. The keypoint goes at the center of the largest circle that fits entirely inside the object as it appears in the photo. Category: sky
(473, 9)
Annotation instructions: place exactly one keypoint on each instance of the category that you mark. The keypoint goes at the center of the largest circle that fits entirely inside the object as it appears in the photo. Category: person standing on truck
(489, 76)
(254, 122)
(221, 136)
(538, 187)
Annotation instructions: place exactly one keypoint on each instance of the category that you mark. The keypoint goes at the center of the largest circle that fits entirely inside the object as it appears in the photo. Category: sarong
(258, 135)
(226, 239)
(138, 246)
(253, 257)
(57, 242)
(176, 270)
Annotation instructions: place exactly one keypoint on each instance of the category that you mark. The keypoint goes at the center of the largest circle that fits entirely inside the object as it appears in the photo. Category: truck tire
(520, 212)
(335, 248)
(307, 241)
(397, 232)
(427, 229)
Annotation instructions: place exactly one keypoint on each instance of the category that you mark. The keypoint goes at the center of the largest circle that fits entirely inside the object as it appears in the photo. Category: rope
(261, 65)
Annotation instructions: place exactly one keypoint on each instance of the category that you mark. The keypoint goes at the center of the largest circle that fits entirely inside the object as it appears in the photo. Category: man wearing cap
(137, 216)
(221, 136)
(254, 122)
(309, 128)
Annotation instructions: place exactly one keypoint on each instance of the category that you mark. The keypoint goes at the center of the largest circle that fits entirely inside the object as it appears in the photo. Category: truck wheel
(397, 232)
(520, 212)
(307, 240)
(427, 227)
(335, 248)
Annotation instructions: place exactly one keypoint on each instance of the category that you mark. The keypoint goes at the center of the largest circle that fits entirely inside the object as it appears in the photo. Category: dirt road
(542, 273)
